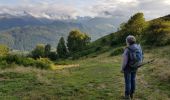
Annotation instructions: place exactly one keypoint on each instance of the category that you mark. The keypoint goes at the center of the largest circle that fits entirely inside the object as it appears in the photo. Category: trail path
(56, 67)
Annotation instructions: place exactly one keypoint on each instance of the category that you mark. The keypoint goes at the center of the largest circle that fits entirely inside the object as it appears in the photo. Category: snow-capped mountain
(8, 13)
(23, 30)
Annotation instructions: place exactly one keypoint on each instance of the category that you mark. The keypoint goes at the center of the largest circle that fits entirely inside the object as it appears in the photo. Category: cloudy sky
(92, 8)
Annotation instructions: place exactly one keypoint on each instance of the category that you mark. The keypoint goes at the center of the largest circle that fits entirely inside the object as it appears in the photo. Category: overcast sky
(92, 8)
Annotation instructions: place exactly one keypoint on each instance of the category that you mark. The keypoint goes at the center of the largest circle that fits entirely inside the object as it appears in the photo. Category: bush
(28, 62)
(53, 56)
(42, 63)
(3, 64)
(157, 34)
(98, 48)
(85, 52)
(117, 51)
(13, 59)
(39, 51)
(76, 56)
(4, 50)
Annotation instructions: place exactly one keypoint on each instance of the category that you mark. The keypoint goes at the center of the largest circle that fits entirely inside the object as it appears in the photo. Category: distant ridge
(24, 31)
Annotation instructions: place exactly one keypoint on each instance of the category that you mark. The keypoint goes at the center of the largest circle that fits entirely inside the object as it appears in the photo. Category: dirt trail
(56, 67)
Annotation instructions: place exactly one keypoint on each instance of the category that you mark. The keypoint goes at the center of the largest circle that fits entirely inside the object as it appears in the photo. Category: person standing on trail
(132, 57)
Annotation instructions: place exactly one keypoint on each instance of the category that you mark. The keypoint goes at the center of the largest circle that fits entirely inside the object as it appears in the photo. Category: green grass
(97, 78)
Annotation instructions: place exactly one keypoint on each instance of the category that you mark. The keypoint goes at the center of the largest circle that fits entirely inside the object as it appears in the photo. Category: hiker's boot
(131, 95)
(127, 97)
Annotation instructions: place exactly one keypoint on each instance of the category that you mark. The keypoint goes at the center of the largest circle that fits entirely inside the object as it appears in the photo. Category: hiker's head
(130, 40)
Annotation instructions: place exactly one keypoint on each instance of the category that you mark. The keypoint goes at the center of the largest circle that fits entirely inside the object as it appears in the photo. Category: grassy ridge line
(108, 39)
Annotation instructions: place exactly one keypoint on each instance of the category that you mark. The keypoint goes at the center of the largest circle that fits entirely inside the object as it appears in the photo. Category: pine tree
(47, 50)
(61, 48)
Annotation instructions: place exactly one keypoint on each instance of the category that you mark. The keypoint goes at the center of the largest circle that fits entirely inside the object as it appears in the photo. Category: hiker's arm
(124, 60)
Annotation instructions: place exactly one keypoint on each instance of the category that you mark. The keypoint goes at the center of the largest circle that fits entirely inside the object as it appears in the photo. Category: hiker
(132, 57)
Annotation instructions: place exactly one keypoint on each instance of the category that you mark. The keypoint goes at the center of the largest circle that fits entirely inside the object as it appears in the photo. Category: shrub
(117, 51)
(53, 56)
(157, 33)
(76, 56)
(28, 62)
(39, 51)
(98, 48)
(104, 41)
(42, 63)
(4, 50)
(3, 64)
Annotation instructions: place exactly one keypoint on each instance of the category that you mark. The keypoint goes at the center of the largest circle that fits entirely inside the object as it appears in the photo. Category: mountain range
(23, 31)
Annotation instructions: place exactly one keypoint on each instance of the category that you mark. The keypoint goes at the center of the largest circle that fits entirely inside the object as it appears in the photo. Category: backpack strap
(128, 52)
(130, 49)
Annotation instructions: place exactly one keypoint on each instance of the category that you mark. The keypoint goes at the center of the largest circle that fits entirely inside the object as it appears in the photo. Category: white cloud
(126, 8)
(41, 9)
(166, 2)
(102, 8)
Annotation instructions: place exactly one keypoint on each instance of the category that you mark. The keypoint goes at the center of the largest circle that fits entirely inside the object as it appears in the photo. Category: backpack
(135, 58)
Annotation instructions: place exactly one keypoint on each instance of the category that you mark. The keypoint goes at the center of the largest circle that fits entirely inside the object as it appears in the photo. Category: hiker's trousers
(130, 82)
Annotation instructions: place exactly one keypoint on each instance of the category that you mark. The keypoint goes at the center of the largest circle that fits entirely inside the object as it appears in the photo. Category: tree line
(76, 41)
(155, 32)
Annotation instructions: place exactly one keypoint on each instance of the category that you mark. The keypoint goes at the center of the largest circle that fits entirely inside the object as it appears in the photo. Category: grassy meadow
(95, 77)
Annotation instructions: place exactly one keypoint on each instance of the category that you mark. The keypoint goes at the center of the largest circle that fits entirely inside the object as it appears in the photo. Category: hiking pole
(142, 64)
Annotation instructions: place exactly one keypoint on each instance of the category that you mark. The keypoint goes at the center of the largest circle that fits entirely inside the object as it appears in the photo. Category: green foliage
(158, 33)
(85, 52)
(90, 52)
(4, 50)
(106, 41)
(47, 50)
(53, 56)
(62, 49)
(155, 32)
(77, 41)
(39, 51)
(98, 48)
(42, 51)
(117, 51)
(3, 63)
(136, 25)
(115, 39)
(43, 63)
(8, 60)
